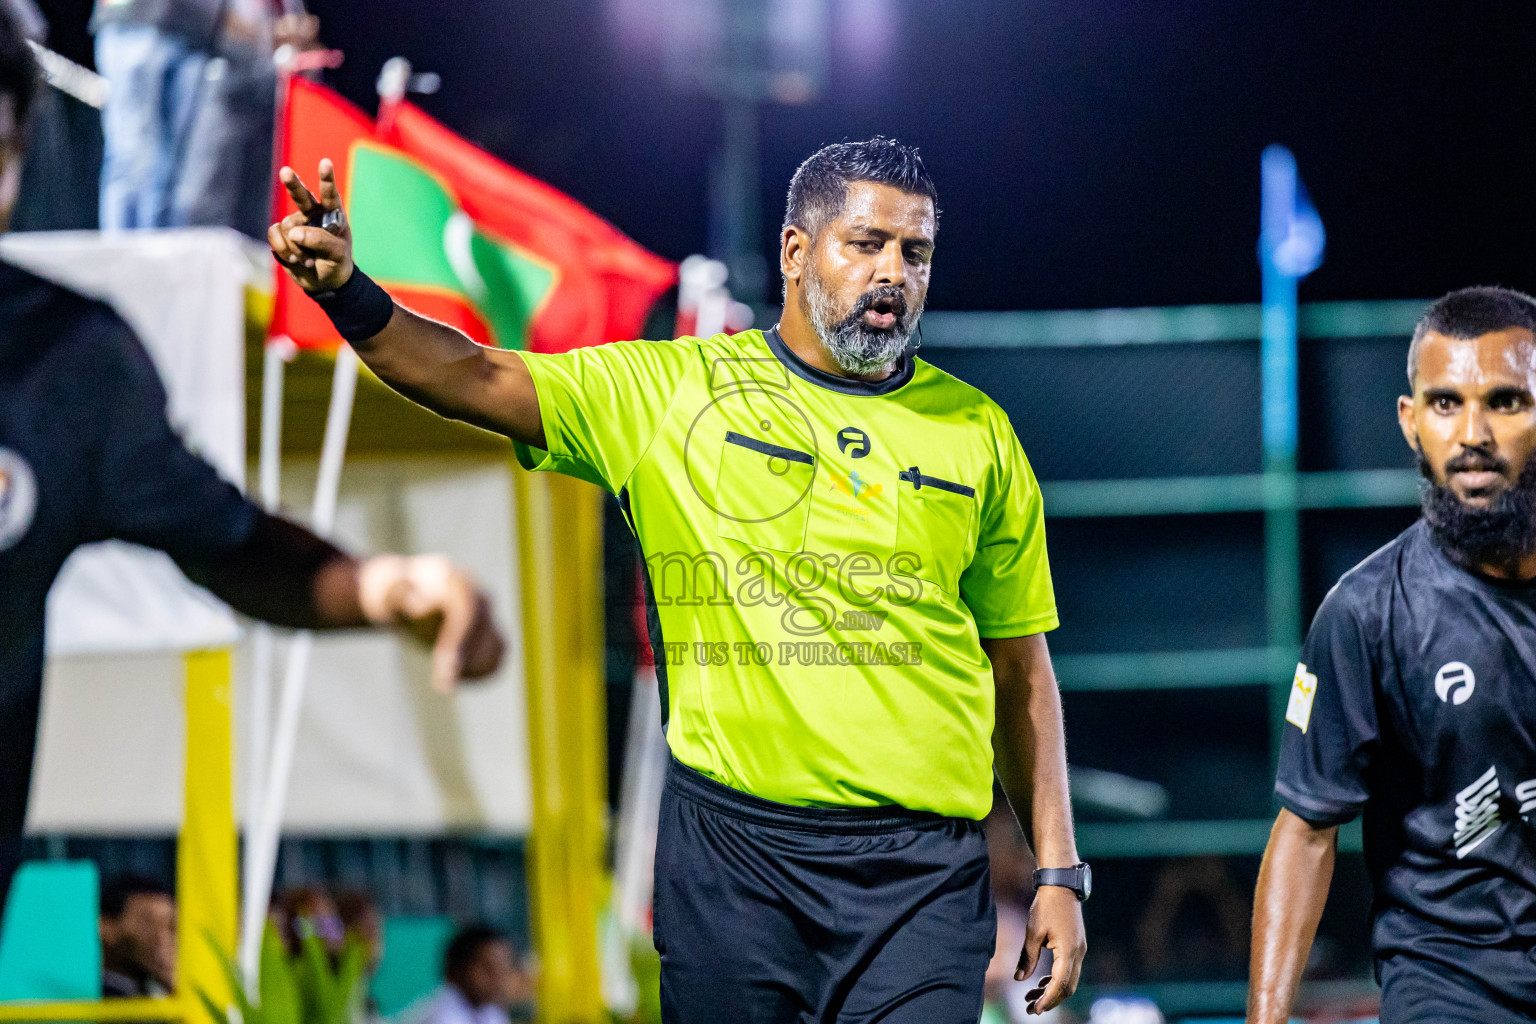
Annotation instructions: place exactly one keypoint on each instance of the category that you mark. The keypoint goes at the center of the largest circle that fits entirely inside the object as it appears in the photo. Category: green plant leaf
(294, 990)
(349, 981)
(248, 1013)
(281, 1002)
(315, 978)
(214, 1009)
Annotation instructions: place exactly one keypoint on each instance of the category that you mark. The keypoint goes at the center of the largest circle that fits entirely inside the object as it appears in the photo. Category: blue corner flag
(1291, 236)
(1290, 248)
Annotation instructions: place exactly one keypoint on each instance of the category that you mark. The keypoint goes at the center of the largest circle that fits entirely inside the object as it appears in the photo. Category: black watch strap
(1077, 878)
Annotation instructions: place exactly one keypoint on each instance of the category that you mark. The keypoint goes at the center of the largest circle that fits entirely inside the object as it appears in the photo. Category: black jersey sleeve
(1331, 726)
(149, 489)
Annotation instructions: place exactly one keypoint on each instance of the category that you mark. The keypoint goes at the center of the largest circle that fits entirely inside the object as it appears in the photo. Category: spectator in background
(305, 909)
(138, 938)
(1196, 923)
(481, 978)
(187, 127)
(361, 922)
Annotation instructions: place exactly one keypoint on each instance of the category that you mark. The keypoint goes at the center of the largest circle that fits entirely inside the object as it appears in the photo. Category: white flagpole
(262, 841)
(395, 80)
(275, 356)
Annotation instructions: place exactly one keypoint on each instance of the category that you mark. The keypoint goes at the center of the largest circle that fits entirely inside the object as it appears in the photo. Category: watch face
(1087, 881)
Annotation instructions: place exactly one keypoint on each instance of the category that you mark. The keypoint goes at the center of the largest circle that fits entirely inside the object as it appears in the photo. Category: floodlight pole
(735, 221)
(1290, 247)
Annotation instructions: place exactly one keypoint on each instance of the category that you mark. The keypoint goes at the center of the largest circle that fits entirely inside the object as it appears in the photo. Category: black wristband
(358, 309)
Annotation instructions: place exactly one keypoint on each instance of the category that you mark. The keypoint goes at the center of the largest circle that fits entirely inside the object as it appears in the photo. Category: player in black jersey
(1415, 703)
(86, 454)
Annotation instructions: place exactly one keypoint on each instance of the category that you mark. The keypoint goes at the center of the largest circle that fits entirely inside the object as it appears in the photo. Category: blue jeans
(154, 79)
(226, 174)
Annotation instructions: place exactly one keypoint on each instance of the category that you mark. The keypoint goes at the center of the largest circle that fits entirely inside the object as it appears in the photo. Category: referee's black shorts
(772, 914)
(1415, 991)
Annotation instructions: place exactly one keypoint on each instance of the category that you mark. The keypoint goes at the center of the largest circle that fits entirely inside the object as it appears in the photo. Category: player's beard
(857, 347)
(1498, 534)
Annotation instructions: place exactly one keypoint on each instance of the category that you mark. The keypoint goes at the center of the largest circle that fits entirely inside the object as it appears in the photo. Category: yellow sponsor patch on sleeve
(1298, 711)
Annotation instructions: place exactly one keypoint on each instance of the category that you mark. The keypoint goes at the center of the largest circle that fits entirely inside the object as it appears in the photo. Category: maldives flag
(316, 123)
(462, 237)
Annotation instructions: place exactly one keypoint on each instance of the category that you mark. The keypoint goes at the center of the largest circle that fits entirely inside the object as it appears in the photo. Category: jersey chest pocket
(762, 496)
(935, 528)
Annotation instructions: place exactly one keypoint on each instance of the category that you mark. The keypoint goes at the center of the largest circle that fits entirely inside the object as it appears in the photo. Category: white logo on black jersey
(18, 497)
(1526, 794)
(1477, 813)
(1455, 682)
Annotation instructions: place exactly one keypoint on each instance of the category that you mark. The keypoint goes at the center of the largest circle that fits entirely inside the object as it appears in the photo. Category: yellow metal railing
(559, 527)
(207, 867)
(167, 1008)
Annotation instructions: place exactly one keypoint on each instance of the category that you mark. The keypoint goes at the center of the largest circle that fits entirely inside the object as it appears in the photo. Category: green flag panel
(408, 229)
(399, 213)
(515, 288)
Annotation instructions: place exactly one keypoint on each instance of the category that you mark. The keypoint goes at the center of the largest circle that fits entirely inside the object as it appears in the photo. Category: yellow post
(559, 532)
(207, 878)
(206, 867)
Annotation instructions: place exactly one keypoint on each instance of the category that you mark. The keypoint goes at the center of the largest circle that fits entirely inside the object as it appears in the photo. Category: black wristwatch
(1079, 879)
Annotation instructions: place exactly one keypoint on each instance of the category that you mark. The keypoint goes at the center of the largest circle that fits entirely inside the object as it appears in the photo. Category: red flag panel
(317, 123)
(607, 282)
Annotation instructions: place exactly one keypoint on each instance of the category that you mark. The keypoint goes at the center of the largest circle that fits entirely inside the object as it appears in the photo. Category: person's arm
(149, 489)
(1293, 886)
(286, 575)
(426, 361)
(1029, 747)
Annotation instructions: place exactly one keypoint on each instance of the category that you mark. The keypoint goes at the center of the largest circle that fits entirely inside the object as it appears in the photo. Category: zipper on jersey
(919, 481)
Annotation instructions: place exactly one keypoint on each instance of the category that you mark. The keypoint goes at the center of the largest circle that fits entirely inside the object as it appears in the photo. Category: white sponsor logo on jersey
(1526, 794)
(1298, 710)
(18, 497)
(1477, 813)
(1455, 682)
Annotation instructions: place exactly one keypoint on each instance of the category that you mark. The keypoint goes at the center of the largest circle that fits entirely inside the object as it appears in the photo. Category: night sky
(1087, 152)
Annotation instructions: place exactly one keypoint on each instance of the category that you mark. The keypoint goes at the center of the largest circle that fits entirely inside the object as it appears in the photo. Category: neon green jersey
(824, 555)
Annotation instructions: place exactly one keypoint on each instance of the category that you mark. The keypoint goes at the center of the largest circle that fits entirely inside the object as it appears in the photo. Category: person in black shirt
(86, 454)
(1415, 703)
(137, 925)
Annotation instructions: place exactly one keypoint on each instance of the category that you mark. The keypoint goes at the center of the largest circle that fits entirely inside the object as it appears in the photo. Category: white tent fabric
(183, 292)
(377, 752)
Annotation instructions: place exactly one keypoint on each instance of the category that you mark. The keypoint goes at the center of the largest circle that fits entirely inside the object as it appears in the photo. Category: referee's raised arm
(426, 361)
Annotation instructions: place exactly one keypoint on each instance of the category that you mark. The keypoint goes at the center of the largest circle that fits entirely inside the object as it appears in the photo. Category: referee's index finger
(302, 197)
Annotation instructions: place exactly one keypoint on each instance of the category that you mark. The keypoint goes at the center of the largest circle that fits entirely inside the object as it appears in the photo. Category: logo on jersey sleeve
(1298, 710)
(1477, 813)
(18, 498)
(1455, 682)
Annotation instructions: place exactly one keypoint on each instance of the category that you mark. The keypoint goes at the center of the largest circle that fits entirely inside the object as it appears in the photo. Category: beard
(857, 347)
(1499, 534)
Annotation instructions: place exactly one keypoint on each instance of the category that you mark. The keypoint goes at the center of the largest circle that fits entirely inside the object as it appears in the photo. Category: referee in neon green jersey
(846, 564)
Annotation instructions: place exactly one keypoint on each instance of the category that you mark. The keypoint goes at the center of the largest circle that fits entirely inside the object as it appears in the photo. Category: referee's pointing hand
(314, 243)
